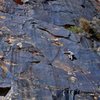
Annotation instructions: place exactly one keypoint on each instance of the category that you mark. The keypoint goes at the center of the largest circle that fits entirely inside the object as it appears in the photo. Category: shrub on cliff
(84, 24)
(91, 29)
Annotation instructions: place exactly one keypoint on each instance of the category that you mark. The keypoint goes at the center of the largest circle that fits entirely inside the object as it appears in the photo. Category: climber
(70, 55)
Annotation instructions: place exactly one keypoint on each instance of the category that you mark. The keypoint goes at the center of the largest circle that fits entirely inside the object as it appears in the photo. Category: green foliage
(98, 36)
(75, 29)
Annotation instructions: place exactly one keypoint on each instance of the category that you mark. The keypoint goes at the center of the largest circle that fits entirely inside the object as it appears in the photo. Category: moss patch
(75, 29)
(98, 36)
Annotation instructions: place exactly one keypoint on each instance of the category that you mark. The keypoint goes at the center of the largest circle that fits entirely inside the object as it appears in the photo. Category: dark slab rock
(41, 67)
(58, 12)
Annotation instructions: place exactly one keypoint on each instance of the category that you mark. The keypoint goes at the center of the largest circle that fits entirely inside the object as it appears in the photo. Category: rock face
(34, 51)
(64, 12)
